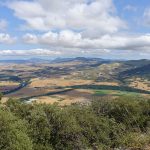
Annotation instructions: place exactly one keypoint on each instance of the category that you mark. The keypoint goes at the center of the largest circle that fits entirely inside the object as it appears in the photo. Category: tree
(13, 133)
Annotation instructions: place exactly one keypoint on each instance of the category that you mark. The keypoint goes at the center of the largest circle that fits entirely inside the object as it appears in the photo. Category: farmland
(73, 80)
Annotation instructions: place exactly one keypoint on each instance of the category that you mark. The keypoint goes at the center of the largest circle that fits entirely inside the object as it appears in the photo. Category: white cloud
(80, 28)
(98, 17)
(32, 52)
(6, 39)
(3, 24)
(70, 39)
(30, 38)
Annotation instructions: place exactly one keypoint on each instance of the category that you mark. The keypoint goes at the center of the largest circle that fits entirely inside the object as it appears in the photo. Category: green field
(115, 93)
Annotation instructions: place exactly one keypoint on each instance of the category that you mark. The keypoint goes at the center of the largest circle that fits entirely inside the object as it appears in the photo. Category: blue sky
(112, 29)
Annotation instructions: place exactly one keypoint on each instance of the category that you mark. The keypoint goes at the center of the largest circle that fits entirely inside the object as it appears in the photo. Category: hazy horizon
(55, 58)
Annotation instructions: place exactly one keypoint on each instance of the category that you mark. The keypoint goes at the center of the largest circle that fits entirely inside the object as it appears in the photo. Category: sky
(110, 29)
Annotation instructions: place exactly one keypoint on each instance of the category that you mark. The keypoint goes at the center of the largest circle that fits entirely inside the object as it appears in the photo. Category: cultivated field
(49, 82)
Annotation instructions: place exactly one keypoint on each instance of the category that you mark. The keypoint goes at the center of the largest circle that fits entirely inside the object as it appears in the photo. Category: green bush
(104, 124)
(132, 112)
(13, 133)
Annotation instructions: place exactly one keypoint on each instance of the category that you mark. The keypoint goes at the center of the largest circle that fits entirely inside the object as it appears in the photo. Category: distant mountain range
(57, 60)
(23, 61)
(135, 63)
(81, 59)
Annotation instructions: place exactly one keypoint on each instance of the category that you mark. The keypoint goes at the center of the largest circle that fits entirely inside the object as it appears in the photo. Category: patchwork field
(57, 82)
(73, 80)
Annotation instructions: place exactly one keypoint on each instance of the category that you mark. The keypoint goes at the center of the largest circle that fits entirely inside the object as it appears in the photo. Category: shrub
(13, 133)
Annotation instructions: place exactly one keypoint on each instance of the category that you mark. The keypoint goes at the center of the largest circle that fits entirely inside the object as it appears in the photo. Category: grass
(103, 92)
(115, 93)
(120, 93)
(109, 87)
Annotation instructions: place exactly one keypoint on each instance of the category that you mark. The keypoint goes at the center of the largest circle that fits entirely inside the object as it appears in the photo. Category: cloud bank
(34, 52)
(70, 39)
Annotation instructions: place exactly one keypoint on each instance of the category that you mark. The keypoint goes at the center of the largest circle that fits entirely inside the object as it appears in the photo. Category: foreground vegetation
(104, 124)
